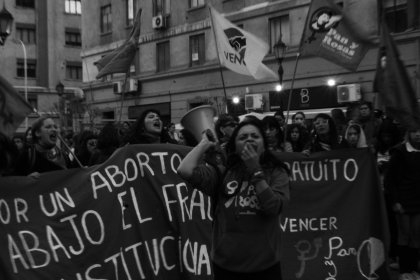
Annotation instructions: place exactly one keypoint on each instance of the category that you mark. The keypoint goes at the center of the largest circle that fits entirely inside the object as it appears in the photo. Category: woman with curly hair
(249, 194)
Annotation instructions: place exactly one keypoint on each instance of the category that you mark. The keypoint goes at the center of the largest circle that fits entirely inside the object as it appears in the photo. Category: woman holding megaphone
(249, 195)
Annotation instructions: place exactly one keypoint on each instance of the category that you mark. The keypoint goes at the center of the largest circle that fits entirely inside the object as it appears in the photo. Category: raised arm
(192, 159)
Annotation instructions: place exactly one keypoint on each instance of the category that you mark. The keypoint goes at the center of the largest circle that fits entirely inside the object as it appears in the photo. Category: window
(74, 70)
(197, 50)
(131, 12)
(31, 68)
(161, 7)
(279, 27)
(196, 3)
(73, 7)
(73, 37)
(396, 18)
(25, 3)
(26, 33)
(106, 19)
(162, 56)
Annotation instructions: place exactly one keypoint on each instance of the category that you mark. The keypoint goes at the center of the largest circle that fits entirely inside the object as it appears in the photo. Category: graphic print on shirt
(245, 201)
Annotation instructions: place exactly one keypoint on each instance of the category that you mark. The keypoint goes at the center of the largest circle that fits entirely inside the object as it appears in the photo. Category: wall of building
(183, 85)
(50, 51)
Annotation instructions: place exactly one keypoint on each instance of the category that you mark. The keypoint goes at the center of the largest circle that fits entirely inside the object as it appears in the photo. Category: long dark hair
(333, 134)
(267, 158)
(271, 122)
(138, 133)
(298, 145)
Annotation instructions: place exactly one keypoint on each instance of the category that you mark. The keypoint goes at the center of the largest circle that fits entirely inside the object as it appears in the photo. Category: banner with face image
(133, 217)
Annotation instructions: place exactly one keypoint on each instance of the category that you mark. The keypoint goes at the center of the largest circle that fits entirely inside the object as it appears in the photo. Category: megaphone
(198, 120)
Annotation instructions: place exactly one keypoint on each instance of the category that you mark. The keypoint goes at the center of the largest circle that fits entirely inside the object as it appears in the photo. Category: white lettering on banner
(20, 208)
(116, 177)
(57, 202)
(183, 200)
(371, 249)
(324, 170)
(123, 208)
(194, 257)
(308, 224)
(339, 43)
(32, 255)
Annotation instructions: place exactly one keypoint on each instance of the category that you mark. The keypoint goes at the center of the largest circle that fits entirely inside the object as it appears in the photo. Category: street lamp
(6, 21)
(60, 91)
(279, 50)
(59, 88)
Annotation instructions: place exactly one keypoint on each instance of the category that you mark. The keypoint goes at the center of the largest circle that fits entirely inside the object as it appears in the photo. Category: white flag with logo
(239, 50)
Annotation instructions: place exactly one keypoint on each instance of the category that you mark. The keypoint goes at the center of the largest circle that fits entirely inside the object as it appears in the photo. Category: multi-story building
(176, 66)
(43, 52)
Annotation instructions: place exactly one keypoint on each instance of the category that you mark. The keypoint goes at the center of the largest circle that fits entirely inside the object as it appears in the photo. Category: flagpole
(218, 58)
(123, 94)
(289, 99)
(69, 150)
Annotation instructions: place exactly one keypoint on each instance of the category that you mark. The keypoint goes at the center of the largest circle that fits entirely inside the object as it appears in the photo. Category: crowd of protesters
(397, 152)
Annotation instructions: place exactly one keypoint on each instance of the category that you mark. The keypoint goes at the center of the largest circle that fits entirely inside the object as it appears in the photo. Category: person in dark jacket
(85, 146)
(8, 155)
(249, 197)
(108, 141)
(402, 181)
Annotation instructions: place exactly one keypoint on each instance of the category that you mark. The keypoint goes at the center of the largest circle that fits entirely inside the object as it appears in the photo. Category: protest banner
(335, 225)
(133, 217)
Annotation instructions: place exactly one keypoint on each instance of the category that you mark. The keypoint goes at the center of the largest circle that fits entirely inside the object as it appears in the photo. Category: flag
(362, 16)
(13, 108)
(119, 61)
(238, 50)
(393, 84)
(327, 35)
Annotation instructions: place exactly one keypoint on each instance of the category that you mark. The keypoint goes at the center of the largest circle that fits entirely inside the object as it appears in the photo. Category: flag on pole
(393, 84)
(13, 108)
(239, 50)
(120, 60)
(327, 35)
(362, 16)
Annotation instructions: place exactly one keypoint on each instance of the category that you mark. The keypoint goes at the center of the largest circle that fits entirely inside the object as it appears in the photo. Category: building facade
(43, 51)
(176, 68)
